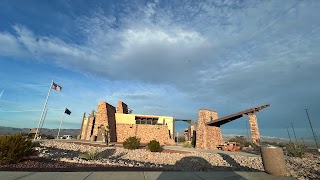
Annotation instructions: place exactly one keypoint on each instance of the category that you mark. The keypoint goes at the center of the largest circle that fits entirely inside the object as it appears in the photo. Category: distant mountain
(54, 132)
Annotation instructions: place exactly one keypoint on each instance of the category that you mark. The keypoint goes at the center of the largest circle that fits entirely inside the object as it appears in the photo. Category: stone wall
(254, 130)
(105, 116)
(208, 137)
(89, 128)
(111, 119)
(122, 108)
(145, 132)
(191, 128)
(83, 129)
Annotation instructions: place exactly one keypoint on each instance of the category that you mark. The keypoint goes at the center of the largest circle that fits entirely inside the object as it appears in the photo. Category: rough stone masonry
(208, 137)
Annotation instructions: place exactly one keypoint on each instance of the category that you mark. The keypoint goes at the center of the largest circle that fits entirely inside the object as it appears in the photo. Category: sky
(162, 58)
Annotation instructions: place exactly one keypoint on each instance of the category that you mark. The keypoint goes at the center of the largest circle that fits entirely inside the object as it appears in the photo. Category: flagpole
(44, 118)
(44, 107)
(61, 123)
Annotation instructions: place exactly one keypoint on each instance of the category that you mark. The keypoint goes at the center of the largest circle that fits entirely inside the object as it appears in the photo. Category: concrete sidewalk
(137, 175)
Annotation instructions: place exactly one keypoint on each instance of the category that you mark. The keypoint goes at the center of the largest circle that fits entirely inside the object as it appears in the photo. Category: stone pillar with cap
(254, 129)
(273, 160)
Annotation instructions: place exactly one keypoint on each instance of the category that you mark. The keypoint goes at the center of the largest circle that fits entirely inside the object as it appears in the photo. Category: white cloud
(210, 51)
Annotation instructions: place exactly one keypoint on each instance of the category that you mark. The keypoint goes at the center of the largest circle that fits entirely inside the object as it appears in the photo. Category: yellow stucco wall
(130, 119)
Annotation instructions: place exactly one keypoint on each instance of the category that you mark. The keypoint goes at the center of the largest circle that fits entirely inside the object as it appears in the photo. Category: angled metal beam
(232, 117)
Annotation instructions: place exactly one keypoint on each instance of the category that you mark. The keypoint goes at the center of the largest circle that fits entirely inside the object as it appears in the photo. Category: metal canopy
(185, 120)
(235, 116)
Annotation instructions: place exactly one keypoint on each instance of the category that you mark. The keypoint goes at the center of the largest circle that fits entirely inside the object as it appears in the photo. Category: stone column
(122, 108)
(208, 137)
(82, 130)
(106, 116)
(254, 130)
(101, 117)
(90, 126)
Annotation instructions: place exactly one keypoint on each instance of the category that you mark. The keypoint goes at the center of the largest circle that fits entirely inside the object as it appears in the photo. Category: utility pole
(294, 133)
(314, 135)
(289, 134)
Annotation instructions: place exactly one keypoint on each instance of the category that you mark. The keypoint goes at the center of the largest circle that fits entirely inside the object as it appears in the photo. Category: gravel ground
(54, 155)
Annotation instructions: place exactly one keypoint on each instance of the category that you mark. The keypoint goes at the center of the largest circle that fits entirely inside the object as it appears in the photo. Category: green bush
(92, 155)
(295, 150)
(154, 146)
(14, 148)
(187, 145)
(131, 143)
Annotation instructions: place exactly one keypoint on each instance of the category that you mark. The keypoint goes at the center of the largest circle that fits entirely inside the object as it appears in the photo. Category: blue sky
(163, 58)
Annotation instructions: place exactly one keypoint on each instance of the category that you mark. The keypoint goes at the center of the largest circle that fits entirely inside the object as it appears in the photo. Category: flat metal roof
(235, 116)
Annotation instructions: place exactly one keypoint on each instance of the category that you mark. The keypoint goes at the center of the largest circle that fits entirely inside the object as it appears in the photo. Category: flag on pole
(56, 87)
(67, 111)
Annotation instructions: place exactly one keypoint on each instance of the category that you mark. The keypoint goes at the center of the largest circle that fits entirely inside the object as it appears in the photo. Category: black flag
(67, 111)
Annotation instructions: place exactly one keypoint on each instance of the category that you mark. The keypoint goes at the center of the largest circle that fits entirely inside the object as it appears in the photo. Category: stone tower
(208, 137)
(254, 130)
(122, 108)
(106, 116)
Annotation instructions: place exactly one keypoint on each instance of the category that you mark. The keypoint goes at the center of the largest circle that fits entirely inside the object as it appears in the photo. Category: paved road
(139, 175)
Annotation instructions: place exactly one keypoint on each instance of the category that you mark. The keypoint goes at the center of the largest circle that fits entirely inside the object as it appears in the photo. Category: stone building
(117, 124)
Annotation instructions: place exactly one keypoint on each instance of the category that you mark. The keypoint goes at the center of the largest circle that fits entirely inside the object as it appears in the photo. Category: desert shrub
(14, 148)
(154, 146)
(247, 144)
(92, 155)
(131, 143)
(50, 136)
(240, 139)
(295, 150)
(181, 139)
(187, 145)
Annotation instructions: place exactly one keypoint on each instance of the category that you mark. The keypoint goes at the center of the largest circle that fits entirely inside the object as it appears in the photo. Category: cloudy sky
(162, 58)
